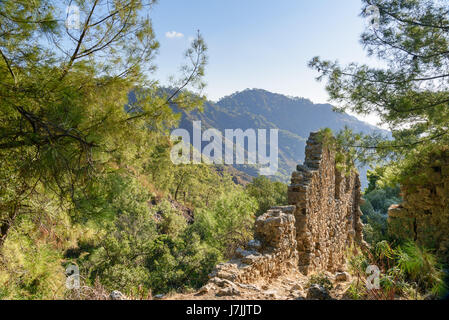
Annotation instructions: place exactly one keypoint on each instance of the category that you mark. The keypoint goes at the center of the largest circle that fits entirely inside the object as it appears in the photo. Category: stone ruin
(269, 255)
(312, 234)
(423, 215)
(327, 209)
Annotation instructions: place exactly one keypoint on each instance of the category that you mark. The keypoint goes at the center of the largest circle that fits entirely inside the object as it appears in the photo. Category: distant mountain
(294, 117)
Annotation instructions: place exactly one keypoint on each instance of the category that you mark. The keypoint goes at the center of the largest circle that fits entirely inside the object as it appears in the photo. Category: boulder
(208, 288)
(228, 292)
(317, 292)
(342, 276)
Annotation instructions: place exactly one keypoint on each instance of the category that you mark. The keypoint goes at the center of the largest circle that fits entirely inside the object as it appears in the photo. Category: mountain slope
(294, 117)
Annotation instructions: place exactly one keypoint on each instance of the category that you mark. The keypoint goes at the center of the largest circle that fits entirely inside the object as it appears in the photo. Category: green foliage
(173, 222)
(181, 263)
(382, 199)
(267, 193)
(228, 224)
(378, 198)
(412, 88)
(31, 258)
(381, 193)
(85, 150)
(407, 270)
(421, 267)
(62, 110)
(344, 157)
(356, 291)
(159, 263)
(320, 279)
(409, 94)
(152, 247)
(418, 168)
(375, 228)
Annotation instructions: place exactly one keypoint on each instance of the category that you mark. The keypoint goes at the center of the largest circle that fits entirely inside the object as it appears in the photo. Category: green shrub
(267, 193)
(407, 270)
(421, 267)
(228, 224)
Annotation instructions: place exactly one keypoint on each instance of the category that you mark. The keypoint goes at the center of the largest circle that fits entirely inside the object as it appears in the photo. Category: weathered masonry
(423, 216)
(327, 209)
(313, 233)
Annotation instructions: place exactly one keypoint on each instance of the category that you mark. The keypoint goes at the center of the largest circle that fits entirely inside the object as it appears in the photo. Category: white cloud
(173, 34)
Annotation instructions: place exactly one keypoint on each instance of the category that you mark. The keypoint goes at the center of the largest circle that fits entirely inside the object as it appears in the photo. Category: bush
(406, 270)
(30, 269)
(421, 267)
(375, 228)
(267, 193)
(228, 224)
(378, 199)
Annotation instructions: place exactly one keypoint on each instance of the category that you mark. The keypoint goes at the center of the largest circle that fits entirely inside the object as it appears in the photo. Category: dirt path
(292, 286)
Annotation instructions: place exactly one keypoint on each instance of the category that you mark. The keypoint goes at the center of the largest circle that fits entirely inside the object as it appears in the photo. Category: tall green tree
(410, 94)
(63, 90)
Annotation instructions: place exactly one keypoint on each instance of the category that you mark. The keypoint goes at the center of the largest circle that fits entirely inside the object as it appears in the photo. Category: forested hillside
(85, 182)
(294, 117)
(88, 187)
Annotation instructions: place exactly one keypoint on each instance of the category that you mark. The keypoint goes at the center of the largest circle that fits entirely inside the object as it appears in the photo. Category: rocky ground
(291, 286)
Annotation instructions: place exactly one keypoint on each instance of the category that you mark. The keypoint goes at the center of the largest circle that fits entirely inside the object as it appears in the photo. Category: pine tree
(63, 93)
(411, 93)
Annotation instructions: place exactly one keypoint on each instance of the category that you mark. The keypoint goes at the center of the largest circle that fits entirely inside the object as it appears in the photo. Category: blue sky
(260, 43)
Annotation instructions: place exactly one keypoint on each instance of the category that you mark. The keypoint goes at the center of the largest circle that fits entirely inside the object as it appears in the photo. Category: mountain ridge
(295, 118)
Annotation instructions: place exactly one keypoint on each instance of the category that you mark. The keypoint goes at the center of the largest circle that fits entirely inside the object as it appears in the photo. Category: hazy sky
(260, 43)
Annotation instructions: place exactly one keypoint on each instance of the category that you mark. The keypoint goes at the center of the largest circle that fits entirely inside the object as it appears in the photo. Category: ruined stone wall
(271, 254)
(312, 234)
(327, 209)
(423, 216)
